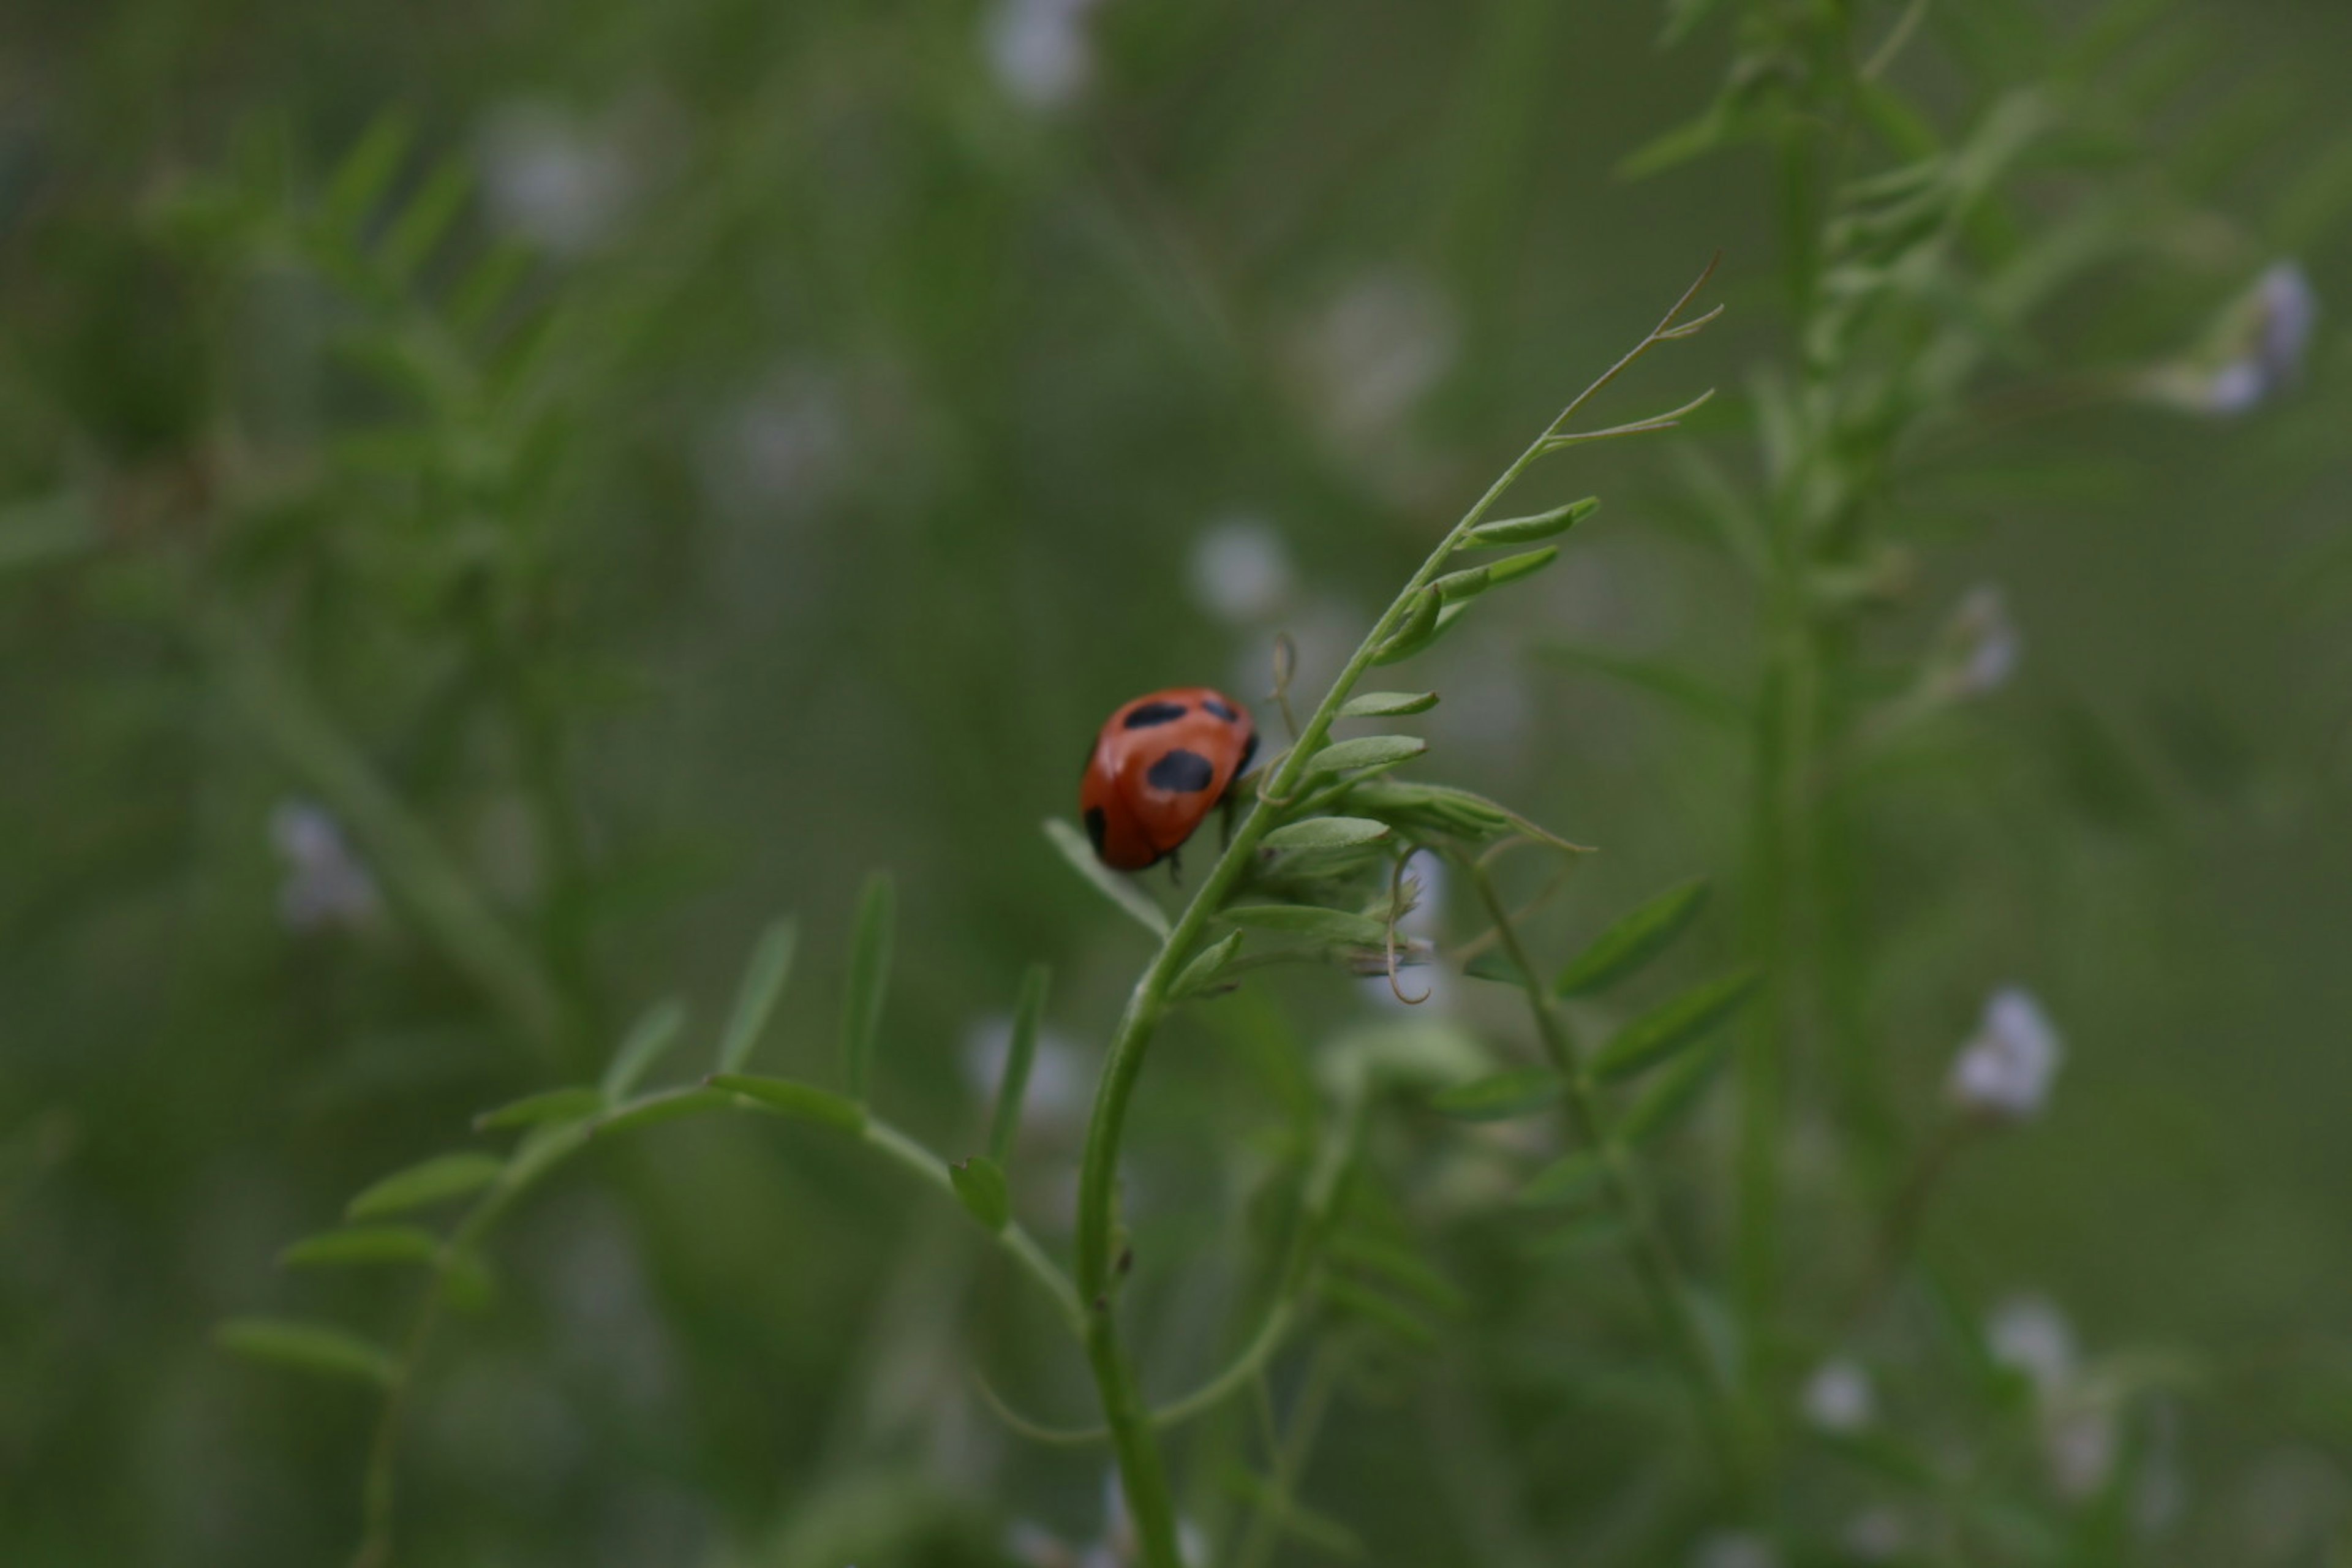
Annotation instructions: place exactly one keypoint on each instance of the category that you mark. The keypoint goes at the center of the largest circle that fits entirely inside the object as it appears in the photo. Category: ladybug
(1160, 763)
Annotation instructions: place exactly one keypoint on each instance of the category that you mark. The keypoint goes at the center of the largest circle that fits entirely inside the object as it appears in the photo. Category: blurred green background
(886, 392)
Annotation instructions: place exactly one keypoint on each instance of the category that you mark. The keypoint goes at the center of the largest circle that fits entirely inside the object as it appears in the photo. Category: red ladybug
(1159, 763)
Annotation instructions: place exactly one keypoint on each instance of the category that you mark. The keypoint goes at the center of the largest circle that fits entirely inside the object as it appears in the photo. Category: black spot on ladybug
(1152, 713)
(1219, 709)
(1181, 771)
(1096, 825)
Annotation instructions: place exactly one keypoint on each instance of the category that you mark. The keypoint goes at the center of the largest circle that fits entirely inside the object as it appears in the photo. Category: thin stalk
(1645, 1244)
(1289, 1461)
(534, 1159)
(1140, 1469)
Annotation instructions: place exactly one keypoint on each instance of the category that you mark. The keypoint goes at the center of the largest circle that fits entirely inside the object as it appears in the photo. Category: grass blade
(1633, 940)
(869, 981)
(1666, 1032)
(1012, 1088)
(1502, 1096)
(429, 1181)
(1102, 879)
(309, 1347)
(653, 1035)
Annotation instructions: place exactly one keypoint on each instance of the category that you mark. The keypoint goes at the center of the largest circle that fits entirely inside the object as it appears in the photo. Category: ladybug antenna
(1396, 912)
(1285, 665)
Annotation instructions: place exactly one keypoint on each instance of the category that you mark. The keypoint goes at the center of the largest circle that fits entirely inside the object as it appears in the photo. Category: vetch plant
(1314, 870)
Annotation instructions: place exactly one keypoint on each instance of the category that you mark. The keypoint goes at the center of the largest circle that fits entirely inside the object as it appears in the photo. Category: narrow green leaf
(1399, 1266)
(553, 1105)
(668, 1106)
(980, 1185)
(1679, 1025)
(1202, 971)
(1502, 1096)
(1387, 704)
(1440, 808)
(801, 1101)
(1668, 1096)
(764, 978)
(655, 1030)
(425, 220)
(1013, 1085)
(1493, 964)
(362, 1244)
(1473, 581)
(1327, 833)
(1368, 751)
(1356, 1301)
(1414, 633)
(489, 284)
(1335, 926)
(366, 172)
(1633, 940)
(1527, 530)
(869, 980)
(426, 1181)
(1117, 889)
(1294, 1518)
(309, 1347)
(1565, 1180)
(1679, 689)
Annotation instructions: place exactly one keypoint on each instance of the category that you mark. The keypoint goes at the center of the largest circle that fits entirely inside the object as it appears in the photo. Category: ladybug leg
(1226, 821)
(1175, 869)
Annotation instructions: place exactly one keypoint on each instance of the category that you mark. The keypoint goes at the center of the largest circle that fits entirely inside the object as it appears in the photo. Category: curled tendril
(1396, 914)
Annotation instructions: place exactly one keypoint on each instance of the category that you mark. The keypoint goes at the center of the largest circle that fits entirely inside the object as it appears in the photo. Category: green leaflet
(1387, 704)
(1327, 833)
(801, 1101)
(1681, 1023)
(426, 1181)
(550, 1105)
(764, 978)
(1334, 926)
(1502, 1096)
(1633, 940)
(1118, 889)
(980, 1185)
(648, 1040)
(1369, 751)
(309, 1347)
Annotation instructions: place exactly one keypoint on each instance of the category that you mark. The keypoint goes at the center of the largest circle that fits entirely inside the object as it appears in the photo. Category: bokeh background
(881, 394)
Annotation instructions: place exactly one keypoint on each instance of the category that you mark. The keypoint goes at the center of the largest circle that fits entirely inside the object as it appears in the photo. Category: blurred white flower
(1732, 1549)
(2255, 352)
(779, 449)
(326, 887)
(1878, 1535)
(1055, 1102)
(2030, 1335)
(1039, 49)
(1982, 643)
(1839, 1398)
(1374, 353)
(1038, 1547)
(2003, 1072)
(560, 180)
(2079, 1444)
(1241, 573)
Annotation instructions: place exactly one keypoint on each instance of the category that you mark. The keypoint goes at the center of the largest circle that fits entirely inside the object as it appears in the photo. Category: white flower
(2004, 1071)
(548, 174)
(1984, 641)
(1039, 49)
(1731, 1548)
(2255, 350)
(1241, 573)
(1878, 1535)
(1423, 886)
(326, 886)
(1366, 361)
(1839, 1398)
(2079, 1444)
(2030, 1335)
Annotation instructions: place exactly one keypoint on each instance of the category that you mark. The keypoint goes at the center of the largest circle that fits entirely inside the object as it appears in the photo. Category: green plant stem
(542, 1151)
(1140, 1467)
(1289, 1460)
(1645, 1244)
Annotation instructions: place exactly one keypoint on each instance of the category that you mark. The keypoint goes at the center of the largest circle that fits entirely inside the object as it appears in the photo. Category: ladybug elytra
(1158, 765)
